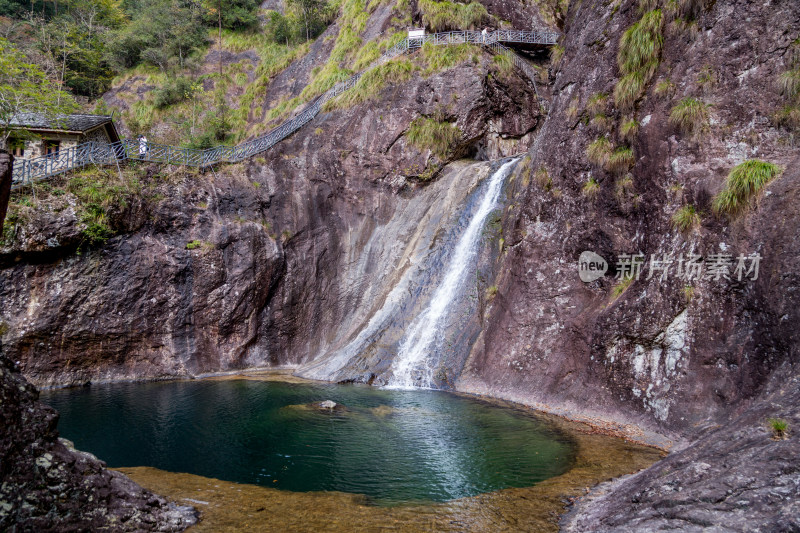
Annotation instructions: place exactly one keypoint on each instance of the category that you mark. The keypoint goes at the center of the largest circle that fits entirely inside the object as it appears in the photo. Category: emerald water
(391, 445)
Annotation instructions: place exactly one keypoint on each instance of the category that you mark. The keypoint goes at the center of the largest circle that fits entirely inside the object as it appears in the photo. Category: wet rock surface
(49, 486)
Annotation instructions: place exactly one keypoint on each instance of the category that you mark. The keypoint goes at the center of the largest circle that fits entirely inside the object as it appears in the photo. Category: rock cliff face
(274, 262)
(678, 354)
(285, 260)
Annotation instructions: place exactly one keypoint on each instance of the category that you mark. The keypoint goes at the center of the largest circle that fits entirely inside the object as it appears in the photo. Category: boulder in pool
(328, 406)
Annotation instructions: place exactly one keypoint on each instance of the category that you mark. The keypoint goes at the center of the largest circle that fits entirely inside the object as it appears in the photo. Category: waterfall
(414, 366)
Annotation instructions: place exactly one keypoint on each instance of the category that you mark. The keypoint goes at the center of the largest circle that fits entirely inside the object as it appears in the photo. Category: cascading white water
(412, 367)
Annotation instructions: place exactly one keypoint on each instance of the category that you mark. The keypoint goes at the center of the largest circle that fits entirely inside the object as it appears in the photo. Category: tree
(24, 88)
(311, 12)
(162, 32)
(234, 13)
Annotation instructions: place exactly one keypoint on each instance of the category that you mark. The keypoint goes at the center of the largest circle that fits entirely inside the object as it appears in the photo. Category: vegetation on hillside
(638, 57)
(743, 184)
(24, 86)
(690, 115)
(789, 85)
(686, 218)
(432, 134)
(452, 16)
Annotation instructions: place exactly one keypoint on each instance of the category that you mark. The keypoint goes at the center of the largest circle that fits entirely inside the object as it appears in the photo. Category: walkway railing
(97, 153)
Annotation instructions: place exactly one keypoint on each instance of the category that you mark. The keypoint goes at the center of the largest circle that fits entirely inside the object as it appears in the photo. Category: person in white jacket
(142, 146)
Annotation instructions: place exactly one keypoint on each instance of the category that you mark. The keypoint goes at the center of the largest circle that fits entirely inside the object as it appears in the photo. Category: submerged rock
(325, 406)
(383, 411)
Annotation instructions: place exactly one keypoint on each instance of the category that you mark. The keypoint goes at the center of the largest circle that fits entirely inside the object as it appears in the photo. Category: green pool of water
(391, 445)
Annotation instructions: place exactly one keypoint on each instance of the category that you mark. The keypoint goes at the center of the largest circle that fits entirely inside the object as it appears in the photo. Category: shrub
(599, 151)
(629, 129)
(174, 91)
(278, 28)
(191, 245)
(686, 218)
(441, 138)
(591, 189)
(690, 115)
(779, 427)
(442, 16)
(621, 160)
(743, 184)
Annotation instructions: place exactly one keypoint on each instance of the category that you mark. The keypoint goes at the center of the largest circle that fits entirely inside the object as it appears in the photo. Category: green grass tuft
(542, 178)
(665, 87)
(624, 187)
(371, 84)
(789, 116)
(621, 160)
(638, 57)
(439, 58)
(597, 103)
(779, 428)
(556, 54)
(601, 122)
(706, 79)
(599, 151)
(441, 138)
(686, 219)
(629, 129)
(690, 115)
(621, 286)
(591, 189)
(742, 185)
(503, 64)
(628, 90)
(789, 83)
(443, 16)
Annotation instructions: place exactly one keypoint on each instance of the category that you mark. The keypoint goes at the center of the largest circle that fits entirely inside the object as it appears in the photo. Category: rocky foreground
(47, 485)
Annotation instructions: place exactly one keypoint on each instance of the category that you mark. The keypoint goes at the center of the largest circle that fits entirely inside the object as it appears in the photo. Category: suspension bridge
(99, 153)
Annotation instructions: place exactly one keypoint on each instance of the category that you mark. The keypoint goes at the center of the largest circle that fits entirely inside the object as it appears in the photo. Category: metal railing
(98, 153)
